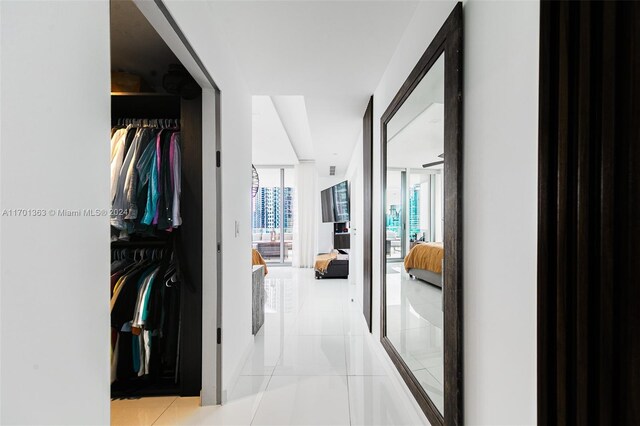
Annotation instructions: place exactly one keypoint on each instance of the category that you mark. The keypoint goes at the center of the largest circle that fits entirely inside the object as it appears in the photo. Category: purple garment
(172, 145)
(158, 158)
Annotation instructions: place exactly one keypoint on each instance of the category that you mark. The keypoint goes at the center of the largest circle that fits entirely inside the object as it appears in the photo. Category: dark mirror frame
(448, 41)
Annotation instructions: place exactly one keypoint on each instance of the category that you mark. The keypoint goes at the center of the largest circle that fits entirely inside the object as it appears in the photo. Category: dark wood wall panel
(141, 106)
(367, 205)
(190, 246)
(589, 195)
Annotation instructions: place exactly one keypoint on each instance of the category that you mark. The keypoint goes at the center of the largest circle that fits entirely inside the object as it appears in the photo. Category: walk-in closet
(156, 218)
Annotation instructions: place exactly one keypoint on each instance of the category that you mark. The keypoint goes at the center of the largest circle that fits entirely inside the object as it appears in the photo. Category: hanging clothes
(146, 180)
(176, 181)
(117, 156)
(144, 299)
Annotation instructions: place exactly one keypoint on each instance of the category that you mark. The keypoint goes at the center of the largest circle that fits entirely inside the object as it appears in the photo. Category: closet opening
(156, 220)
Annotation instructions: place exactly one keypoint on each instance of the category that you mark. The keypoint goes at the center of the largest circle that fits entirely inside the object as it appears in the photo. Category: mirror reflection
(414, 232)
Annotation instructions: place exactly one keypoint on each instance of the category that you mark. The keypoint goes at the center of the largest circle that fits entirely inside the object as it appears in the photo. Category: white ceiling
(430, 90)
(292, 112)
(332, 53)
(271, 144)
(420, 141)
(416, 131)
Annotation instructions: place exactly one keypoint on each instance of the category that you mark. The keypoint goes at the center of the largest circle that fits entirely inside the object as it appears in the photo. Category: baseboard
(235, 376)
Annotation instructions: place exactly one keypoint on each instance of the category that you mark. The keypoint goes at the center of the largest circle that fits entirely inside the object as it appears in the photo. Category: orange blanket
(427, 256)
(257, 259)
(323, 261)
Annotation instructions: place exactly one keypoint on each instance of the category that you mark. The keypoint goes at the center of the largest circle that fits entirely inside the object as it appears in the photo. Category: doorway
(154, 91)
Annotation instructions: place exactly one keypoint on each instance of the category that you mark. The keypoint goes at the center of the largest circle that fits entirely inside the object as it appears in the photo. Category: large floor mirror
(422, 239)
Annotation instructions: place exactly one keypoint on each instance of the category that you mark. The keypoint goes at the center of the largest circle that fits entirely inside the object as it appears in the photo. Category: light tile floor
(312, 363)
(415, 328)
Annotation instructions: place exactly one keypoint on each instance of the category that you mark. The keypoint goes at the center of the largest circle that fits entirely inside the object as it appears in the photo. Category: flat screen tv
(328, 213)
(335, 203)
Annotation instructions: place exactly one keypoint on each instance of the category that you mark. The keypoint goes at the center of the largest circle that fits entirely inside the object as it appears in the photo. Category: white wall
(500, 201)
(194, 19)
(54, 310)
(53, 351)
(500, 178)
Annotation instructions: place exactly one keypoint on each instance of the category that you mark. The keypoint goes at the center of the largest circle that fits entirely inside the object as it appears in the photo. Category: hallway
(312, 362)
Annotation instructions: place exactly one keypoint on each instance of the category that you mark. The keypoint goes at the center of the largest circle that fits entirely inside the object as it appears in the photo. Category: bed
(424, 262)
(332, 265)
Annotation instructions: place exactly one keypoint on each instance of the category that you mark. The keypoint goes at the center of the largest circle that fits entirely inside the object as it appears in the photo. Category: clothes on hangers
(117, 156)
(145, 292)
(175, 157)
(146, 172)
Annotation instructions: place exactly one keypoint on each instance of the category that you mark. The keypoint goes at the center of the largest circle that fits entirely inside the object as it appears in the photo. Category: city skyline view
(394, 216)
(266, 208)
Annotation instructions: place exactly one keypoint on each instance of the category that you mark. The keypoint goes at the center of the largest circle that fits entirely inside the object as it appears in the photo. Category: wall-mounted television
(335, 203)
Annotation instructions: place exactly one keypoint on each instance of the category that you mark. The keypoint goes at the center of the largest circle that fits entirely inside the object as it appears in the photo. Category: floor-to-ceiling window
(425, 205)
(395, 214)
(414, 209)
(273, 214)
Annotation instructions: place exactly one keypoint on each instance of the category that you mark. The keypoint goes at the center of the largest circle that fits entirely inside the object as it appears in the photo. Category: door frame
(367, 213)
(161, 19)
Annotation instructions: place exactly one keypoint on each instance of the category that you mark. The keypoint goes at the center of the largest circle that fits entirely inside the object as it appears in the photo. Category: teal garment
(152, 195)
(143, 167)
(144, 163)
(145, 302)
(135, 346)
(148, 172)
(135, 350)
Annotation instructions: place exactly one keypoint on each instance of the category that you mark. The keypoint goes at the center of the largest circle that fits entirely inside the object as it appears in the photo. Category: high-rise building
(393, 218)
(266, 211)
(414, 211)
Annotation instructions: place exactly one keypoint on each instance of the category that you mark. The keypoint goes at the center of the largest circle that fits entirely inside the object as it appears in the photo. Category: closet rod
(165, 123)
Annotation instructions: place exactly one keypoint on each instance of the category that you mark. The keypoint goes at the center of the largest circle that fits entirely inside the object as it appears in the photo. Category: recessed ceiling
(333, 53)
(271, 145)
(292, 111)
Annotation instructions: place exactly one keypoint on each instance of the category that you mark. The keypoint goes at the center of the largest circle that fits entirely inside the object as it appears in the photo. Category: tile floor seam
(259, 401)
(253, 416)
(346, 362)
(346, 377)
(165, 410)
(429, 373)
